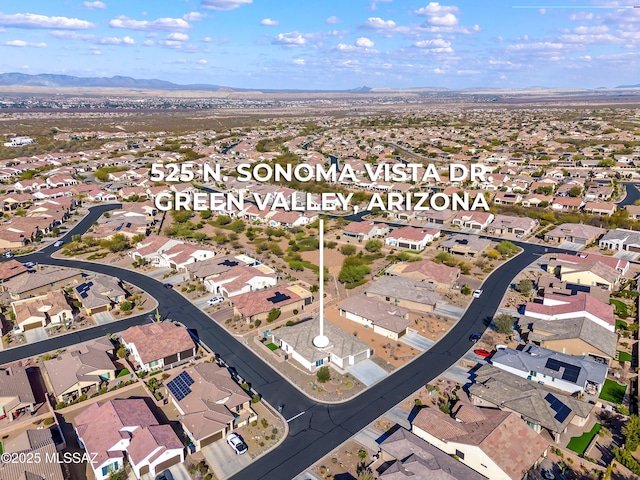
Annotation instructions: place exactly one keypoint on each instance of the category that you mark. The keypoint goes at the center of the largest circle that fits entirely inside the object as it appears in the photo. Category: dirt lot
(343, 460)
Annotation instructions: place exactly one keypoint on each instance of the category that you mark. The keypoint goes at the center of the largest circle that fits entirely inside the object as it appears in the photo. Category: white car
(477, 293)
(236, 443)
(58, 243)
(215, 301)
(8, 255)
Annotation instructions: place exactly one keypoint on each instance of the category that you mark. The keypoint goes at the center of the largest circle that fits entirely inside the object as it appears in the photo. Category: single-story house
(383, 318)
(159, 345)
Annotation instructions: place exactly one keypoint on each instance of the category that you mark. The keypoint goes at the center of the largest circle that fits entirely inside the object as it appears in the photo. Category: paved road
(321, 427)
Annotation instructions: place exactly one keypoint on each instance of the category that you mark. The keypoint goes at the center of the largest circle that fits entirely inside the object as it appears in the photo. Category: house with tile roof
(81, 369)
(544, 409)
(256, 305)
(99, 293)
(575, 233)
(365, 230)
(412, 238)
(496, 444)
(32, 444)
(560, 307)
(507, 224)
(405, 455)
(241, 279)
(159, 345)
(41, 311)
(211, 403)
(16, 394)
(109, 431)
(427, 271)
(404, 292)
(571, 374)
(575, 336)
(618, 264)
(384, 319)
(473, 219)
(297, 341)
(621, 239)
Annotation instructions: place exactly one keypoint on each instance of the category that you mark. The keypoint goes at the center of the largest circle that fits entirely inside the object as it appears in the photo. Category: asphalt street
(321, 427)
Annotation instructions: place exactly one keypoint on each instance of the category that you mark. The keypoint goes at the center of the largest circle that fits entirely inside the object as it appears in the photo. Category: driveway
(448, 310)
(572, 246)
(102, 318)
(623, 254)
(367, 371)
(178, 471)
(158, 273)
(223, 460)
(417, 341)
(35, 335)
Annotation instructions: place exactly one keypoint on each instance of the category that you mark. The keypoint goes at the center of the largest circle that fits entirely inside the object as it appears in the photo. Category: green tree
(575, 191)
(323, 375)
(631, 432)
(503, 323)
(506, 248)
(122, 352)
(524, 286)
(373, 245)
(273, 314)
(492, 254)
(348, 250)
(465, 290)
(126, 306)
(443, 257)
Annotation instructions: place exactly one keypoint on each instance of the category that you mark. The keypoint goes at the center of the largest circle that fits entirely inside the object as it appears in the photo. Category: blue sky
(315, 44)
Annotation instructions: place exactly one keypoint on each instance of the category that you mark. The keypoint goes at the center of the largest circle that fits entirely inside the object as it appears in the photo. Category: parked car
(168, 285)
(475, 337)
(58, 243)
(477, 293)
(520, 235)
(166, 475)
(29, 265)
(236, 443)
(8, 254)
(215, 301)
(482, 352)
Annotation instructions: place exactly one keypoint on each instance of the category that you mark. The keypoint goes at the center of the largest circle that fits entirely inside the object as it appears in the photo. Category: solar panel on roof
(553, 364)
(229, 263)
(84, 294)
(90, 284)
(80, 287)
(562, 411)
(571, 373)
(179, 386)
(128, 225)
(278, 297)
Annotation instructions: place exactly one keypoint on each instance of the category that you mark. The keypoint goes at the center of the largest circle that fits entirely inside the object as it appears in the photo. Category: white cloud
(95, 51)
(446, 20)
(435, 45)
(117, 41)
(290, 39)
(376, 23)
(537, 46)
(364, 42)
(148, 43)
(207, 39)
(202, 61)
(224, 4)
(159, 24)
(582, 30)
(22, 43)
(299, 61)
(97, 39)
(193, 16)
(581, 16)
(268, 22)
(93, 5)
(439, 71)
(374, 4)
(435, 9)
(542, 11)
(30, 20)
(332, 20)
(179, 37)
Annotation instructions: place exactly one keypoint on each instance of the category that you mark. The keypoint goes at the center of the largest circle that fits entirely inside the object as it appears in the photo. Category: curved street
(321, 427)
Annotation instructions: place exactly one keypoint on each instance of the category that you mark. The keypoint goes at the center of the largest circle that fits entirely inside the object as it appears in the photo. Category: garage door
(634, 249)
(211, 439)
(144, 469)
(167, 463)
(31, 326)
(99, 309)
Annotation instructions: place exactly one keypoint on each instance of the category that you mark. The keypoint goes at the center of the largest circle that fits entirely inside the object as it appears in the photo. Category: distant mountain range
(52, 80)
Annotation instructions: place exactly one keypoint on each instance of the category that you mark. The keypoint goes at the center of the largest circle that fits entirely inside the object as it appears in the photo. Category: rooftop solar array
(278, 297)
(179, 386)
(229, 263)
(83, 288)
(562, 411)
(571, 372)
